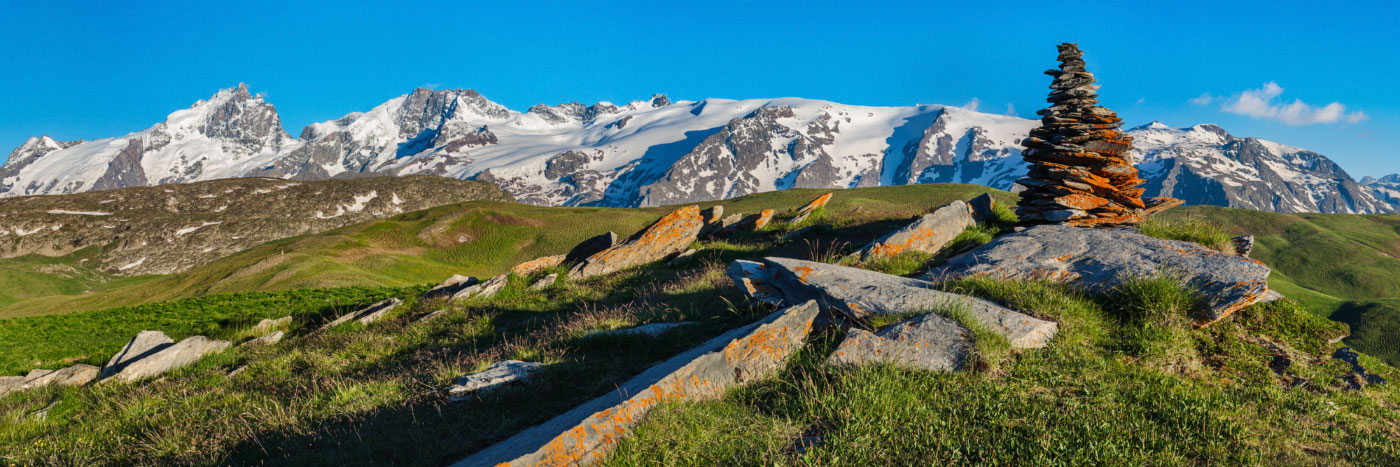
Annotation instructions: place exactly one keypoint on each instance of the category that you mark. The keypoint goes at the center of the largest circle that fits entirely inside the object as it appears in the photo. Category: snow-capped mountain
(654, 151)
(1385, 189)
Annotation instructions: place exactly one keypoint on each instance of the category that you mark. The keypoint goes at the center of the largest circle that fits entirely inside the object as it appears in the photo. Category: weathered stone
(926, 342)
(449, 287)
(752, 222)
(807, 210)
(860, 294)
(714, 220)
(590, 247)
(754, 279)
(983, 207)
(378, 310)
(270, 324)
(1244, 244)
(1099, 259)
(589, 432)
(712, 214)
(496, 376)
(927, 234)
(486, 289)
(182, 353)
(682, 257)
(76, 375)
(670, 234)
(10, 382)
(529, 268)
(432, 316)
(269, 339)
(144, 344)
(653, 330)
(544, 282)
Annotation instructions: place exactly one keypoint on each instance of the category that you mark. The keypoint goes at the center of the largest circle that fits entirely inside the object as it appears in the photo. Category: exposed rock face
(172, 228)
(544, 282)
(807, 210)
(1080, 173)
(1099, 259)
(529, 268)
(176, 356)
(668, 235)
(927, 342)
(859, 294)
(449, 287)
(496, 376)
(590, 247)
(927, 234)
(589, 432)
(143, 345)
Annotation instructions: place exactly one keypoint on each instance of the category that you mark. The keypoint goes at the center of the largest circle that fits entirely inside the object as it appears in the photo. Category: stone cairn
(1079, 173)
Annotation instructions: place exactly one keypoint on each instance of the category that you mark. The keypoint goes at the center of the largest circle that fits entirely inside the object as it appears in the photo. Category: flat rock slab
(76, 375)
(807, 210)
(144, 344)
(859, 294)
(590, 247)
(270, 324)
(486, 289)
(269, 339)
(170, 358)
(544, 282)
(529, 268)
(927, 234)
(668, 235)
(449, 287)
(653, 330)
(589, 432)
(926, 342)
(1099, 259)
(378, 310)
(498, 375)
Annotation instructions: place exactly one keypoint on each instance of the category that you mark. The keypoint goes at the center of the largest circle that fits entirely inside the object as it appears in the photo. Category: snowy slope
(655, 152)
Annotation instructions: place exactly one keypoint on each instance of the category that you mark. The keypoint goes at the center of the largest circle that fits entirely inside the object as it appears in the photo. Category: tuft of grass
(1154, 314)
(1190, 229)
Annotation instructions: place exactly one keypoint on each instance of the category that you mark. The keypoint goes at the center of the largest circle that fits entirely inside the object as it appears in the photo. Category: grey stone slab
(185, 352)
(378, 310)
(271, 324)
(269, 339)
(76, 375)
(486, 289)
(544, 282)
(449, 287)
(498, 375)
(653, 330)
(927, 234)
(927, 342)
(145, 343)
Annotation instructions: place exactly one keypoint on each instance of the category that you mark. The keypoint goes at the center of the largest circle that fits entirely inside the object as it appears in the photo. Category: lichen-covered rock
(486, 289)
(182, 353)
(590, 247)
(754, 279)
(589, 432)
(144, 344)
(529, 268)
(983, 207)
(1099, 259)
(653, 330)
(449, 287)
(752, 222)
(668, 235)
(496, 376)
(269, 339)
(927, 234)
(807, 210)
(1244, 244)
(859, 294)
(927, 342)
(544, 282)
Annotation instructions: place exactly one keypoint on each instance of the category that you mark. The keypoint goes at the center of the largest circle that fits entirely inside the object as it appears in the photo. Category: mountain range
(654, 152)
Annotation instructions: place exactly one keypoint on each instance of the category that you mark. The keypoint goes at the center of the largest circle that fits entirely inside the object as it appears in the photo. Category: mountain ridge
(654, 151)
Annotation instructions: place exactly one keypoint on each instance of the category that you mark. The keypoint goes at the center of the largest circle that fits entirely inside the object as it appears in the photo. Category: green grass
(1189, 229)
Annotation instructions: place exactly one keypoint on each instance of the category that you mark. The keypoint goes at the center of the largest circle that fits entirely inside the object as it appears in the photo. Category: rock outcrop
(498, 375)
(807, 210)
(1099, 259)
(143, 345)
(486, 289)
(927, 234)
(76, 375)
(669, 235)
(1080, 173)
(367, 314)
(449, 287)
(927, 342)
(529, 268)
(172, 357)
(859, 294)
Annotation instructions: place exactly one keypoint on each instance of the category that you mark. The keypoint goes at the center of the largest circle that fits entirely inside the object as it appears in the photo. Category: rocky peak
(238, 116)
(659, 100)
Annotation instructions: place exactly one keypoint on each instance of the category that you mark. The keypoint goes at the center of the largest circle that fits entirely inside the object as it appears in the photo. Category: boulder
(378, 310)
(1098, 260)
(486, 289)
(496, 376)
(270, 324)
(682, 257)
(144, 344)
(860, 294)
(529, 268)
(983, 207)
(449, 287)
(590, 247)
(926, 342)
(652, 330)
(544, 282)
(926, 234)
(172, 357)
(587, 433)
(711, 215)
(807, 210)
(668, 235)
(269, 339)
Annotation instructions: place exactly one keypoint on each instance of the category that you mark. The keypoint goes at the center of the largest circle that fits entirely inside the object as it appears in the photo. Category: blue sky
(90, 70)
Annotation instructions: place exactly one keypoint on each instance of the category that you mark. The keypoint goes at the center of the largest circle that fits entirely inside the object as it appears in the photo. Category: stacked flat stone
(1079, 173)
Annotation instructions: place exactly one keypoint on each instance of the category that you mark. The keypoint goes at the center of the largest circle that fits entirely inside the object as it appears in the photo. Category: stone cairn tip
(1080, 173)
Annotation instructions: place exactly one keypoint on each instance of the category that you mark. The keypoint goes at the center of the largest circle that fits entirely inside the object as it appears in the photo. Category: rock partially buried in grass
(367, 314)
(753, 278)
(653, 330)
(590, 247)
(144, 344)
(183, 353)
(927, 234)
(686, 255)
(270, 324)
(449, 287)
(544, 282)
(76, 375)
(269, 339)
(712, 220)
(859, 294)
(1099, 259)
(498, 375)
(926, 342)
(486, 289)
(752, 222)
(529, 268)
(811, 207)
(432, 316)
(589, 432)
(670, 234)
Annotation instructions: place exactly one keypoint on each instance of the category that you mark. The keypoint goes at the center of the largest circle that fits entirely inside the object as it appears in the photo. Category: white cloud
(1011, 110)
(1203, 99)
(973, 104)
(1264, 103)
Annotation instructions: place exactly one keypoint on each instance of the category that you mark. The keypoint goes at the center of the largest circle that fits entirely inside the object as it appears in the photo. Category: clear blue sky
(89, 70)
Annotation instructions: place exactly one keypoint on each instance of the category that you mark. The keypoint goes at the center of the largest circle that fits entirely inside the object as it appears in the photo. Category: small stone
(269, 339)
(652, 330)
(486, 289)
(449, 287)
(682, 258)
(432, 316)
(983, 207)
(807, 210)
(378, 310)
(496, 376)
(544, 282)
(144, 344)
(270, 324)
